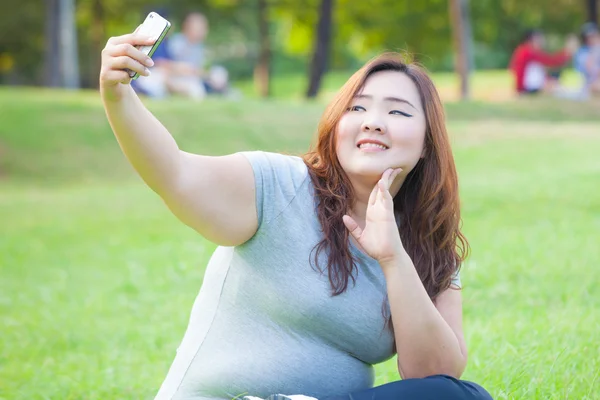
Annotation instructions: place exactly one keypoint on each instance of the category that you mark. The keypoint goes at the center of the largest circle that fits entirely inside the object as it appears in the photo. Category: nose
(372, 125)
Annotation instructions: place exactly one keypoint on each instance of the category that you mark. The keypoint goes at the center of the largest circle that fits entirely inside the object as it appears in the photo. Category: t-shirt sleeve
(277, 178)
(456, 279)
(175, 46)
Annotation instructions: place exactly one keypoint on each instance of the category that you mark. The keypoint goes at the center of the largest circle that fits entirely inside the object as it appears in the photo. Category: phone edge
(156, 44)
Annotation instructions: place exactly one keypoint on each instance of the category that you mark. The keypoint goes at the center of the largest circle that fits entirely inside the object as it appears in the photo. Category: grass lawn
(98, 278)
(490, 85)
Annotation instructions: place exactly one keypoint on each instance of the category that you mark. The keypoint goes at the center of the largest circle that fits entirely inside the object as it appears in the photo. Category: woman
(326, 264)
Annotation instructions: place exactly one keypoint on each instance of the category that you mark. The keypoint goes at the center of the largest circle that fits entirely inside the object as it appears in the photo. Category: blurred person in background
(156, 84)
(179, 64)
(587, 59)
(188, 75)
(529, 64)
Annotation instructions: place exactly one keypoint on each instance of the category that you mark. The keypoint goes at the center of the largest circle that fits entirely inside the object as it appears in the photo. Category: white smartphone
(154, 26)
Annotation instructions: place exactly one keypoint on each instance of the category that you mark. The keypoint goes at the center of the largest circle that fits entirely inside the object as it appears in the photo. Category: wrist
(115, 94)
(399, 259)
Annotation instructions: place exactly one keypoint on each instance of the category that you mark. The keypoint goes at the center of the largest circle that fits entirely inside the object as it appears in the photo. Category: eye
(357, 108)
(398, 112)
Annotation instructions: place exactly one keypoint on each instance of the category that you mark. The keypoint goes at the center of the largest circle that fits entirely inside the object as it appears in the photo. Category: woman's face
(383, 128)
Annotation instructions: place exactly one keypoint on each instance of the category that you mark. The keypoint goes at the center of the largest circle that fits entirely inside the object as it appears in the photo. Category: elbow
(453, 368)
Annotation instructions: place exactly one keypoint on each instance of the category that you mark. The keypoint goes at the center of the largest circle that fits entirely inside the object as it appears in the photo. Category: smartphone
(154, 26)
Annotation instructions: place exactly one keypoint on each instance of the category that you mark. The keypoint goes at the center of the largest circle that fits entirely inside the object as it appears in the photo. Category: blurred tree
(69, 60)
(97, 41)
(592, 11)
(320, 56)
(62, 63)
(421, 28)
(362, 30)
(461, 27)
(263, 65)
(51, 55)
(22, 43)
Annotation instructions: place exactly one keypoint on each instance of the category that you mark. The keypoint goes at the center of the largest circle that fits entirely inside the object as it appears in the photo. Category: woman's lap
(437, 387)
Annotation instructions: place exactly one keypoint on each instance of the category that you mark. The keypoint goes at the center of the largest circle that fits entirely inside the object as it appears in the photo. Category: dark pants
(436, 387)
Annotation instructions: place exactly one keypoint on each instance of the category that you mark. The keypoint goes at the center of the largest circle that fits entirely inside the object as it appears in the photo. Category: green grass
(98, 278)
(490, 85)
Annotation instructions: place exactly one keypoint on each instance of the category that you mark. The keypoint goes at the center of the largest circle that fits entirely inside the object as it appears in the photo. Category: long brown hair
(427, 207)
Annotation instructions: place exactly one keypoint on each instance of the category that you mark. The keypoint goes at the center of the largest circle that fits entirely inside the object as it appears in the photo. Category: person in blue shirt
(188, 74)
(180, 65)
(587, 58)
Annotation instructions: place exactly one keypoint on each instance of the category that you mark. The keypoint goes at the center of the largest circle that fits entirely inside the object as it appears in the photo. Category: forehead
(391, 84)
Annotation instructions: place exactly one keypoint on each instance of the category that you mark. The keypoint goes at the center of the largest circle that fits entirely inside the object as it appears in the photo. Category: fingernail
(149, 62)
(147, 71)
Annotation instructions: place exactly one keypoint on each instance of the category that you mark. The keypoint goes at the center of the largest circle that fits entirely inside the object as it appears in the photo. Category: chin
(370, 167)
(367, 171)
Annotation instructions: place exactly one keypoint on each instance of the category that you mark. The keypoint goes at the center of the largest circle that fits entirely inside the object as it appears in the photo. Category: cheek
(344, 130)
(345, 135)
(410, 137)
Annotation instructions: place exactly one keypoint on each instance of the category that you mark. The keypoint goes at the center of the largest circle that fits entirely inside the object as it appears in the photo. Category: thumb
(352, 226)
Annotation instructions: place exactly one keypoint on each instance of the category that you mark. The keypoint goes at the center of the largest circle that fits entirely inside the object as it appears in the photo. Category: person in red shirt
(529, 62)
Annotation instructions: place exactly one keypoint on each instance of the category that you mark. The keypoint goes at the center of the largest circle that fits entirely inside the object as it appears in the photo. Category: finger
(383, 180)
(127, 49)
(394, 176)
(135, 39)
(124, 63)
(386, 176)
(381, 188)
(352, 226)
(373, 195)
(385, 194)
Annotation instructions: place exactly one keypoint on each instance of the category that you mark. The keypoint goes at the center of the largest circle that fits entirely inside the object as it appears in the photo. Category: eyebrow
(395, 99)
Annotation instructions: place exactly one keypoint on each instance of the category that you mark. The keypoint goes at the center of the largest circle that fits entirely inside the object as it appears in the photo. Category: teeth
(373, 145)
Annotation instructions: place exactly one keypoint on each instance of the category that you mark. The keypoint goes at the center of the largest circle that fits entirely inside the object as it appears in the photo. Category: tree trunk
(592, 11)
(52, 46)
(98, 37)
(262, 70)
(69, 61)
(461, 29)
(318, 63)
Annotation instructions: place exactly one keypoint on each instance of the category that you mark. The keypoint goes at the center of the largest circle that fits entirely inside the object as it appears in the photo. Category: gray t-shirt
(265, 322)
(181, 49)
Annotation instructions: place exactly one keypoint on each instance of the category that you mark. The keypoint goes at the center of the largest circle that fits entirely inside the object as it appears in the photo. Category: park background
(97, 278)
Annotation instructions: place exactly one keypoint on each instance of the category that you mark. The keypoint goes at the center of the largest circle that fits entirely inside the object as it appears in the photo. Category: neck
(362, 191)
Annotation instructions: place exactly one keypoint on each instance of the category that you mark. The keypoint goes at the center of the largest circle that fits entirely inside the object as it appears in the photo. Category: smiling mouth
(373, 146)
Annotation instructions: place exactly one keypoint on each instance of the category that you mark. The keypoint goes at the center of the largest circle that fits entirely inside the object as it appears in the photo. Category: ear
(424, 152)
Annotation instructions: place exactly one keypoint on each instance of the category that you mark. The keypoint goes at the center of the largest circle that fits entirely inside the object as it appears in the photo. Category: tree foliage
(361, 29)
